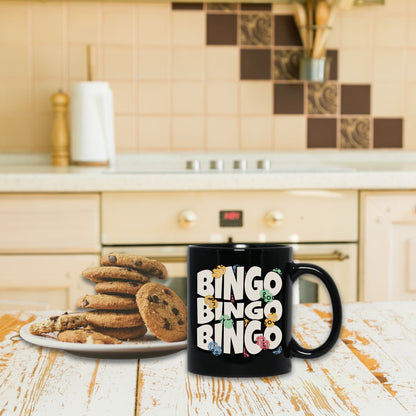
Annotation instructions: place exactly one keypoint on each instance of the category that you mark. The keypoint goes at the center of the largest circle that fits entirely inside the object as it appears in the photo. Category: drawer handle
(335, 256)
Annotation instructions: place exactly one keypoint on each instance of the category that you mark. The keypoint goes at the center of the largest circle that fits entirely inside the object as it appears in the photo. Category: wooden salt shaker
(60, 135)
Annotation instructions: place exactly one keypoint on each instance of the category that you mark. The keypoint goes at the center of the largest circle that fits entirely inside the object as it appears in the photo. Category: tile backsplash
(217, 76)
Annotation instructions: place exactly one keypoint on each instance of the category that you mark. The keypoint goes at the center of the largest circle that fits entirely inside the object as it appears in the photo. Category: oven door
(339, 260)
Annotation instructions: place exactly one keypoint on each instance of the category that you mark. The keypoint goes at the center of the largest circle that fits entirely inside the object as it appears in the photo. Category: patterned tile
(286, 64)
(221, 29)
(222, 6)
(355, 133)
(285, 31)
(288, 99)
(256, 29)
(255, 64)
(322, 133)
(388, 132)
(322, 98)
(355, 99)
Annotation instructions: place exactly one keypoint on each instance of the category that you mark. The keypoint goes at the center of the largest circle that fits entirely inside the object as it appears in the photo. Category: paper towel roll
(92, 123)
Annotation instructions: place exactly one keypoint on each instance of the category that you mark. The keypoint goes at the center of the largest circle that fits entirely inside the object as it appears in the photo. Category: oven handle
(334, 256)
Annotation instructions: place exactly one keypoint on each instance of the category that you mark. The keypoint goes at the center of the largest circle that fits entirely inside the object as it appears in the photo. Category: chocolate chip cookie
(163, 312)
(151, 268)
(59, 323)
(103, 274)
(115, 319)
(86, 336)
(107, 302)
(122, 333)
(118, 288)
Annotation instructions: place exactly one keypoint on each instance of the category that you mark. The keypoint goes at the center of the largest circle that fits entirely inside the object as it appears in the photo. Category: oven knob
(187, 218)
(274, 218)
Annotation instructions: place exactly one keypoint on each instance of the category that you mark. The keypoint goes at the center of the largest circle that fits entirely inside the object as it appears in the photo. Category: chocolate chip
(85, 303)
(138, 263)
(150, 299)
(135, 284)
(180, 322)
(54, 318)
(164, 302)
(153, 270)
(155, 299)
(167, 291)
(112, 259)
(175, 311)
(167, 325)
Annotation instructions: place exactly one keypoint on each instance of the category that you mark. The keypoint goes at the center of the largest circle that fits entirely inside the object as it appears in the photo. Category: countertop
(364, 170)
(370, 371)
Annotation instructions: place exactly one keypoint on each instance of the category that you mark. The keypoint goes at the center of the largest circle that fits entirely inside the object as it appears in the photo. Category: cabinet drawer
(49, 223)
(54, 280)
(152, 217)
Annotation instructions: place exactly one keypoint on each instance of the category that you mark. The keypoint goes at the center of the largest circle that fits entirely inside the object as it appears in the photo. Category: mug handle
(297, 350)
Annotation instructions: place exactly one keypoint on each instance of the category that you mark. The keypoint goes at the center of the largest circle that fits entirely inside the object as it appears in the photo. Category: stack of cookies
(114, 308)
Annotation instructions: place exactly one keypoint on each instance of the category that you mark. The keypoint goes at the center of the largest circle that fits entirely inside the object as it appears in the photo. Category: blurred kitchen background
(220, 134)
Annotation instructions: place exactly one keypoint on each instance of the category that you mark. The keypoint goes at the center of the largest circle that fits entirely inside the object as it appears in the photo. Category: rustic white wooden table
(371, 371)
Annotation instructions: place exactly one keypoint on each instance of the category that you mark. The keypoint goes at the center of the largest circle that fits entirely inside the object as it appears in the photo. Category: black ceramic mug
(240, 309)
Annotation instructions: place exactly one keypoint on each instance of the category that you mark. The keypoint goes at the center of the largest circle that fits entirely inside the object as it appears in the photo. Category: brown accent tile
(333, 71)
(222, 6)
(288, 98)
(355, 133)
(256, 6)
(256, 29)
(322, 98)
(322, 132)
(355, 99)
(388, 132)
(255, 64)
(187, 6)
(285, 31)
(221, 29)
(286, 64)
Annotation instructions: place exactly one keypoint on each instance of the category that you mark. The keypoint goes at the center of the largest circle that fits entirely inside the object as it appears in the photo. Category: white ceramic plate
(146, 346)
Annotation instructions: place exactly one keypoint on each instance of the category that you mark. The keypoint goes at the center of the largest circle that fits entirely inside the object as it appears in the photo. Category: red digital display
(231, 218)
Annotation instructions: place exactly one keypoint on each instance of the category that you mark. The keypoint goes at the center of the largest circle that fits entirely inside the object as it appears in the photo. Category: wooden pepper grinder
(60, 135)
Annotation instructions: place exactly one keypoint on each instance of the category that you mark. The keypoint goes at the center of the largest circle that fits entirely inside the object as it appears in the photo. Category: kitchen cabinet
(388, 246)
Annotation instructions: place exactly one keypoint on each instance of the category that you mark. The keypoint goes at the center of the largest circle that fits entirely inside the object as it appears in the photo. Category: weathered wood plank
(337, 384)
(40, 381)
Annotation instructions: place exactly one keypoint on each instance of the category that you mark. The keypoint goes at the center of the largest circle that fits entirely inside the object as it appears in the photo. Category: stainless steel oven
(320, 225)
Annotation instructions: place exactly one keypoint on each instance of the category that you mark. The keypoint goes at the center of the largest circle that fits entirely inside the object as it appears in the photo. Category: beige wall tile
(188, 28)
(125, 133)
(77, 62)
(222, 63)
(48, 23)
(282, 8)
(350, 36)
(387, 99)
(153, 97)
(17, 58)
(256, 133)
(390, 31)
(153, 63)
(42, 133)
(290, 132)
(124, 97)
(256, 97)
(187, 97)
(14, 27)
(390, 7)
(42, 93)
(83, 22)
(409, 139)
(154, 7)
(411, 100)
(411, 65)
(15, 98)
(411, 34)
(48, 62)
(388, 64)
(187, 63)
(334, 37)
(16, 134)
(187, 133)
(118, 63)
(222, 133)
(153, 29)
(221, 97)
(355, 65)
(118, 23)
(153, 133)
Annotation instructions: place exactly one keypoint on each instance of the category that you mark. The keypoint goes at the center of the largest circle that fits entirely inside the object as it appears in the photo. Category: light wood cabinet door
(388, 246)
(49, 223)
(51, 281)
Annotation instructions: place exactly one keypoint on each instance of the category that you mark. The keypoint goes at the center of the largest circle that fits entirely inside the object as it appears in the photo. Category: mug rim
(241, 246)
